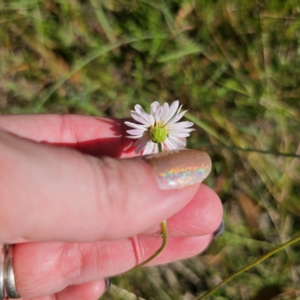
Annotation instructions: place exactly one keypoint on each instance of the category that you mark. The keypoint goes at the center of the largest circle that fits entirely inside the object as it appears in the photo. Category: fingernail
(219, 230)
(179, 168)
(107, 284)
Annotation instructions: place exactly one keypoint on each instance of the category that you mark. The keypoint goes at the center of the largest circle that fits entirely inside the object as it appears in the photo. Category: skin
(78, 213)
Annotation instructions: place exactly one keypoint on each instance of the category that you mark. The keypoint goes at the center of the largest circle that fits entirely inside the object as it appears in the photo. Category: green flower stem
(159, 147)
(163, 233)
(161, 248)
(251, 265)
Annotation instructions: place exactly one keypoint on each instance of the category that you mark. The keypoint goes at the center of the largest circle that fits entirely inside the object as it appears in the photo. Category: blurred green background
(234, 65)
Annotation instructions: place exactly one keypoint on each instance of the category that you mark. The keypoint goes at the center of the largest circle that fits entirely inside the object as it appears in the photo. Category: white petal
(155, 149)
(181, 130)
(148, 118)
(141, 143)
(135, 131)
(174, 106)
(144, 138)
(170, 144)
(140, 118)
(133, 136)
(154, 107)
(180, 142)
(158, 114)
(171, 111)
(140, 147)
(165, 113)
(152, 121)
(184, 124)
(136, 126)
(149, 148)
(176, 118)
(183, 142)
(179, 134)
(138, 109)
(179, 109)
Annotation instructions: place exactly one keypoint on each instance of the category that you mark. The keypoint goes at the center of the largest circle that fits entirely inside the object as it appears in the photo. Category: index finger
(91, 135)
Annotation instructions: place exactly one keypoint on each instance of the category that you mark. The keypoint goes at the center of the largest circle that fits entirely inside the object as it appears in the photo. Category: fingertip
(182, 248)
(201, 216)
(211, 213)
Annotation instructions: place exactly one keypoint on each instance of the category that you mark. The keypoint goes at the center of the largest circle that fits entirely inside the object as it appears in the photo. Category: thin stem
(251, 265)
(163, 233)
(159, 147)
(161, 248)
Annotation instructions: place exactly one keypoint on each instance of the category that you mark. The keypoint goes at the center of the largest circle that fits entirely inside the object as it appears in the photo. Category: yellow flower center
(158, 133)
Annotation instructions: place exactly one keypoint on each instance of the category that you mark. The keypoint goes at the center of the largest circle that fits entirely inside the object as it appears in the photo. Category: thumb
(54, 193)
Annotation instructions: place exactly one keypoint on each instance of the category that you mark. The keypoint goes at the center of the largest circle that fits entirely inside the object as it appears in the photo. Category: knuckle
(80, 262)
(114, 187)
(71, 261)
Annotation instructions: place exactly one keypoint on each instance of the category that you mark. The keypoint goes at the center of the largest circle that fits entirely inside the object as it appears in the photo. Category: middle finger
(46, 268)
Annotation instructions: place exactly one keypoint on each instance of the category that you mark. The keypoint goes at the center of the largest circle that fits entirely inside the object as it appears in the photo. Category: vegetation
(234, 65)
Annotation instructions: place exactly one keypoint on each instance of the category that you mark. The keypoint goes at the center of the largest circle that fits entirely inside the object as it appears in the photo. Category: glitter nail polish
(179, 168)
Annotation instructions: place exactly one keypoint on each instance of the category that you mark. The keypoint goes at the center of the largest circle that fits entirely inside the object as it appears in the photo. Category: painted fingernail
(219, 230)
(179, 168)
(107, 284)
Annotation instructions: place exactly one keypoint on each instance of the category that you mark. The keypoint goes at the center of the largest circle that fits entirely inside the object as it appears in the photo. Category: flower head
(161, 126)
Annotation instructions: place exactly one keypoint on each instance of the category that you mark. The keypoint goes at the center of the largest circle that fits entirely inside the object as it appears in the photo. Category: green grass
(235, 65)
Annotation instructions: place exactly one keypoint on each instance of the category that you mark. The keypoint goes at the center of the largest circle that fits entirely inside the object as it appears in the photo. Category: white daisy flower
(160, 129)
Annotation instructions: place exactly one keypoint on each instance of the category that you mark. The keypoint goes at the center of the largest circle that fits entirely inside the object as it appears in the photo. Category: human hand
(77, 217)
